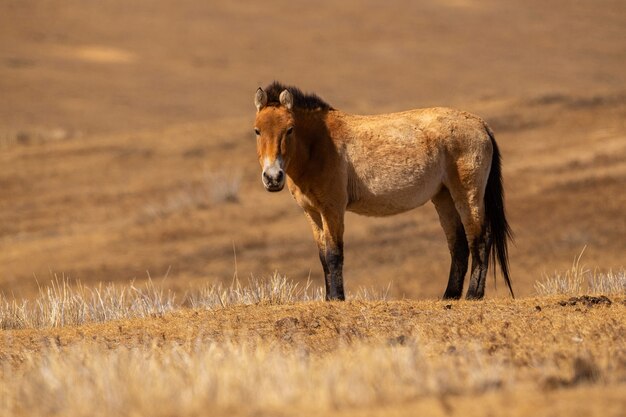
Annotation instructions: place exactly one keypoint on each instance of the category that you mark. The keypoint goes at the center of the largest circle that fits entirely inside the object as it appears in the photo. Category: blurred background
(127, 152)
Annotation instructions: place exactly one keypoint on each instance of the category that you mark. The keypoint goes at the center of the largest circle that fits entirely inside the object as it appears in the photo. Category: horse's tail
(495, 215)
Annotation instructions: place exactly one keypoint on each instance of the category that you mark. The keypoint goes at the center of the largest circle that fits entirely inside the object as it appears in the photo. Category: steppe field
(144, 270)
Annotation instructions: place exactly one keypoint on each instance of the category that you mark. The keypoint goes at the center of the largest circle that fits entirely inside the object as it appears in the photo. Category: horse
(381, 165)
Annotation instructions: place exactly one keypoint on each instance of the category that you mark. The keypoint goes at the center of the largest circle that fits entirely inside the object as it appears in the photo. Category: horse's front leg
(315, 219)
(333, 254)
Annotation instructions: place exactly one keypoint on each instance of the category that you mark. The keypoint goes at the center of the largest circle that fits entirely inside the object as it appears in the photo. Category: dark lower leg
(334, 286)
(458, 267)
(480, 262)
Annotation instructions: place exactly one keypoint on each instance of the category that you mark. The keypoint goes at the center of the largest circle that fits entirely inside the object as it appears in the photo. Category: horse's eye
(257, 131)
(290, 130)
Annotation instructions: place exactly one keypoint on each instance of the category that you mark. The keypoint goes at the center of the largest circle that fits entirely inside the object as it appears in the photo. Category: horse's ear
(260, 99)
(286, 99)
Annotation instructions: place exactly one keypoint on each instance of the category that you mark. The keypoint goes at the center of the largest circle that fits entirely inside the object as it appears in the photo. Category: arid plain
(127, 152)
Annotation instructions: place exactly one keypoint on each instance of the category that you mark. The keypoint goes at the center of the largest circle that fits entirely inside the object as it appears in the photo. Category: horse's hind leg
(480, 262)
(471, 208)
(457, 242)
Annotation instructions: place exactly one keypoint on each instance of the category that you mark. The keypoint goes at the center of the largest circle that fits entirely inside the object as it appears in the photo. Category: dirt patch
(587, 301)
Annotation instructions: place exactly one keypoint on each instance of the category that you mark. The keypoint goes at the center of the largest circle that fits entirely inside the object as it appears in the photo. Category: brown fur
(382, 165)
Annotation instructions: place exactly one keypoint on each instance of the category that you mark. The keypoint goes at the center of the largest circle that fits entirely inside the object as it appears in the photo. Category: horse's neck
(314, 143)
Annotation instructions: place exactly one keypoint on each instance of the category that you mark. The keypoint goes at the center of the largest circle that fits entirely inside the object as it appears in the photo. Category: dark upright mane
(300, 100)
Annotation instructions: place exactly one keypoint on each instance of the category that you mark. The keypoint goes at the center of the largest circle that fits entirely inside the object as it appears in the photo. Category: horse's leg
(457, 242)
(333, 240)
(318, 234)
(479, 245)
(469, 201)
(480, 262)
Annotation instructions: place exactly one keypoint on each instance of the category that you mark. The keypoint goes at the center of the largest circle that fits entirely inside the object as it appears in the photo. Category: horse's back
(398, 161)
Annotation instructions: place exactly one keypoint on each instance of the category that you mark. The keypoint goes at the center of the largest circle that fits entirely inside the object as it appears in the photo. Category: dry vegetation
(273, 347)
(580, 279)
(65, 304)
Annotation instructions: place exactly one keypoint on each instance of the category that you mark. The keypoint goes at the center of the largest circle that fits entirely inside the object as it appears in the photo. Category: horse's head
(274, 128)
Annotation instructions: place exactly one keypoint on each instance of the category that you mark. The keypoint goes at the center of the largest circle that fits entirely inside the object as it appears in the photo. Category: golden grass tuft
(65, 304)
(579, 279)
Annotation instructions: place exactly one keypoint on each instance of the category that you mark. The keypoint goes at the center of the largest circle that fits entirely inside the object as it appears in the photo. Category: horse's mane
(300, 100)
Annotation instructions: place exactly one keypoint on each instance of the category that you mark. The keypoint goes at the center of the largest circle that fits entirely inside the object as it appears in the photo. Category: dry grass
(205, 377)
(293, 365)
(230, 376)
(64, 303)
(224, 186)
(608, 283)
(274, 290)
(580, 279)
(271, 347)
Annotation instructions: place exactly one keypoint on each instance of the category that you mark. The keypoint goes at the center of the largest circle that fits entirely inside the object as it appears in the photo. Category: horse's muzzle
(274, 183)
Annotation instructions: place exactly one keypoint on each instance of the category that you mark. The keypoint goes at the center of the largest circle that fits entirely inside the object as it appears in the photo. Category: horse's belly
(390, 202)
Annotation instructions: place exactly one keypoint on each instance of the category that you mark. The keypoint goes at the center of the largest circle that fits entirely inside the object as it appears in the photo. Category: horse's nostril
(275, 179)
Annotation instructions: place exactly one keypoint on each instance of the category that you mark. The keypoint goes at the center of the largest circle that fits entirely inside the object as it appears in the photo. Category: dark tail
(496, 216)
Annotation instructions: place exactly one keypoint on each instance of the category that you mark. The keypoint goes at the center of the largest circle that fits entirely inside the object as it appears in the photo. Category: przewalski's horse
(383, 165)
